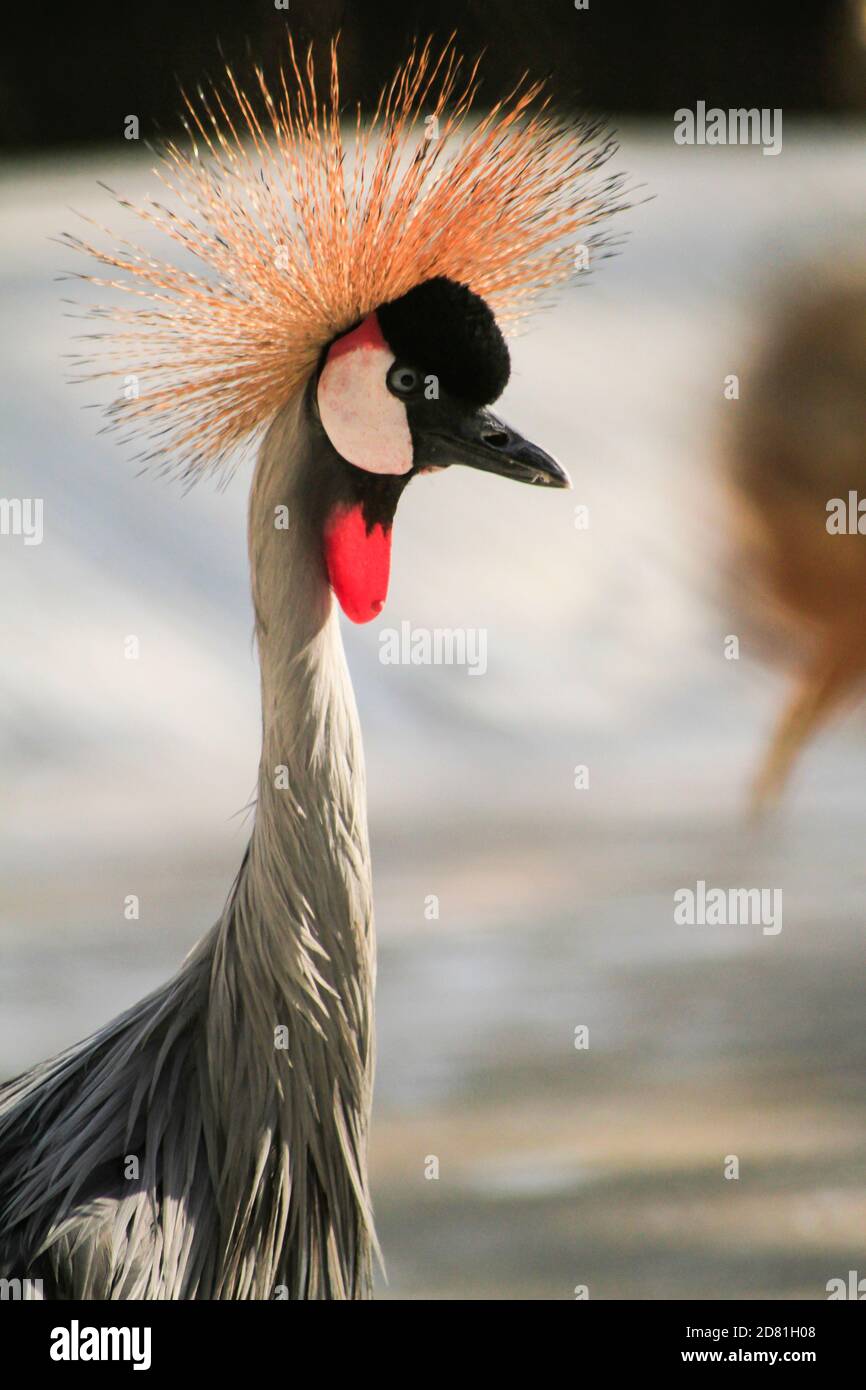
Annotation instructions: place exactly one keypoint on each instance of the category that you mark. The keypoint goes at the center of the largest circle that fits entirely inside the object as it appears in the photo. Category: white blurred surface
(605, 647)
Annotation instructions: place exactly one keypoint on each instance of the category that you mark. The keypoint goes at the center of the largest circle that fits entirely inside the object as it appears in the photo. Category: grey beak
(478, 439)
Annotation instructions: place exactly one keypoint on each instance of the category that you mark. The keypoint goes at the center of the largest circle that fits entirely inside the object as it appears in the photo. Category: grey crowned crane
(345, 316)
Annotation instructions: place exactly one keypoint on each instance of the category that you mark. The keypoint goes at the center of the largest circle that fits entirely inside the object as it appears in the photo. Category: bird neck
(311, 802)
(306, 875)
(294, 958)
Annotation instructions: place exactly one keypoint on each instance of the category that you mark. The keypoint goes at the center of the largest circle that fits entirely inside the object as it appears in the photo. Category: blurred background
(608, 647)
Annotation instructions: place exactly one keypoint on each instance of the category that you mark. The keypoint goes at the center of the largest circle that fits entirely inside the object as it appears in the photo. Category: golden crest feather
(296, 242)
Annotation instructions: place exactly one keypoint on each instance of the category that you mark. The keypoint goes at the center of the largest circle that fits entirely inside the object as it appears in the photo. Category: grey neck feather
(294, 950)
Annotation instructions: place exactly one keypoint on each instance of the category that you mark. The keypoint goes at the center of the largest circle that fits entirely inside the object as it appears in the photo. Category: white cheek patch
(364, 422)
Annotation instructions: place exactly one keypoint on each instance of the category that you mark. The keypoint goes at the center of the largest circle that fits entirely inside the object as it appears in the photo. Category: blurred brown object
(799, 443)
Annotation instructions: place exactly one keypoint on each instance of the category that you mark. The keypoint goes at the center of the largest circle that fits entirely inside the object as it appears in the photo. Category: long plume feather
(295, 242)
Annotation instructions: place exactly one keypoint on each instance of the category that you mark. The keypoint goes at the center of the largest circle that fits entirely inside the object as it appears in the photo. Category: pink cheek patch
(365, 423)
(358, 562)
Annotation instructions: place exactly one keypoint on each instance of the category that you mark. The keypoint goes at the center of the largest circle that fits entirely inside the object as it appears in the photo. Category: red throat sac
(358, 562)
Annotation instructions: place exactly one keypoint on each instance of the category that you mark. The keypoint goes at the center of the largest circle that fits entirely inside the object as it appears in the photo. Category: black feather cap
(446, 330)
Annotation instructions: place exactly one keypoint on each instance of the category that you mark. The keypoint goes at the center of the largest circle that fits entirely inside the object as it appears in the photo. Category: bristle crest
(292, 242)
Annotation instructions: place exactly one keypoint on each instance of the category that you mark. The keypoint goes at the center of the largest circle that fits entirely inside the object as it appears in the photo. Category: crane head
(349, 281)
(407, 391)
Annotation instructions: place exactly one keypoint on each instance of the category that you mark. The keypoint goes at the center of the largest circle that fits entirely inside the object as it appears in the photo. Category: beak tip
(543, 469)
(555, 475)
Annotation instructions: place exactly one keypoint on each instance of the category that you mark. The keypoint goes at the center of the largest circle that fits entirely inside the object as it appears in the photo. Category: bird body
(211, 1142)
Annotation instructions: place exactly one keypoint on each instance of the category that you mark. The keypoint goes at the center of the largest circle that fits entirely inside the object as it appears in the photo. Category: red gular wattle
(358, 562)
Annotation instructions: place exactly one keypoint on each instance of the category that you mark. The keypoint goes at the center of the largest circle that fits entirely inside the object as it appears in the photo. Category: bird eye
(402, 380)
